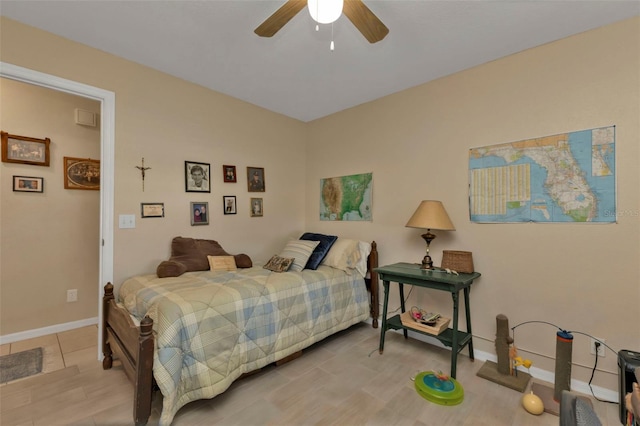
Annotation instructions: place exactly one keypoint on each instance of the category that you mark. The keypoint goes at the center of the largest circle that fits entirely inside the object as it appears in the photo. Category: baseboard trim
(537, 373)
(38, 332)
(549, 377)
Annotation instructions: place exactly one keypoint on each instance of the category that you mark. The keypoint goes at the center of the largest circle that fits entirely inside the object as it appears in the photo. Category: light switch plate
(127, 221)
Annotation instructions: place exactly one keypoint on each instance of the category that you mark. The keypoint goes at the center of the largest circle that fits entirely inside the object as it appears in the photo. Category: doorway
(107, 152)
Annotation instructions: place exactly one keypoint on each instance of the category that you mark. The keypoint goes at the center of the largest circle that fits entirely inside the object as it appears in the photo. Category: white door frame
(107, 101)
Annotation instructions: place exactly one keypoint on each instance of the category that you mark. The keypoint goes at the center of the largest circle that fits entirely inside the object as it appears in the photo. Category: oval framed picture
(81, 173)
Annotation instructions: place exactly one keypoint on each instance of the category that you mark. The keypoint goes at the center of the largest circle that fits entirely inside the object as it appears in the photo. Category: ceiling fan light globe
(325, 11)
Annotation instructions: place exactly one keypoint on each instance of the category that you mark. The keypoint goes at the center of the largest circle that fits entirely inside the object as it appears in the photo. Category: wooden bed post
(144, 373)
(107, 361)
(374, 284)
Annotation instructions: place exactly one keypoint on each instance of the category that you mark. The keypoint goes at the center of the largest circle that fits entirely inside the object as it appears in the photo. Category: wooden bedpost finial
(146, 326)
(108, 289)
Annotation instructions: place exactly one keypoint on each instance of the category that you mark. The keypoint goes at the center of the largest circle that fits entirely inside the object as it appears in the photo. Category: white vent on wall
(86, 118)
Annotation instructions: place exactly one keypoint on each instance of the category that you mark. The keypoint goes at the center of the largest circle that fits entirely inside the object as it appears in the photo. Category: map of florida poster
(568, 177)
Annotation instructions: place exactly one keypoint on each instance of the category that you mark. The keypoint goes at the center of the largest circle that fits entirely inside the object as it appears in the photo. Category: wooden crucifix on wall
(143, 171)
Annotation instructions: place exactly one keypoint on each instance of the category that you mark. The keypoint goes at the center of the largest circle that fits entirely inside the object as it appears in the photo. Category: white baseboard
(30, 334)
(536, 373)
(549, 377)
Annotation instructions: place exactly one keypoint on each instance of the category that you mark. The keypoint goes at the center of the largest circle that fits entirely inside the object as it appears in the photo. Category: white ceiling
(294, 73)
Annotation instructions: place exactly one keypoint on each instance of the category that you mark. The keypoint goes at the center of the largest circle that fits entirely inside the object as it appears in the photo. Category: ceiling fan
(358, 13)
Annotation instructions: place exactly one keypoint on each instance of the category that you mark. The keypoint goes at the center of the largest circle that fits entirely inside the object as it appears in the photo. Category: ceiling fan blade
(280, 17)
(365, 21)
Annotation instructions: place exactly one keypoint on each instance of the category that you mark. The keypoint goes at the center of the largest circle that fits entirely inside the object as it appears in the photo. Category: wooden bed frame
(134, 345)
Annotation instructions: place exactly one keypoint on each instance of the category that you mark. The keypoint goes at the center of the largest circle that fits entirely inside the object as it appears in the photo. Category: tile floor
(74, 347)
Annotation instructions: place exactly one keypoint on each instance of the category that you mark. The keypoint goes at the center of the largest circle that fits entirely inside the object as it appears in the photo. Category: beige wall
(581, 277)
(167, 121)
(49, 241)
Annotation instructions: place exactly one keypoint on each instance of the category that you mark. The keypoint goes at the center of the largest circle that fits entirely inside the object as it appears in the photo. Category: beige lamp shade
(431, 214)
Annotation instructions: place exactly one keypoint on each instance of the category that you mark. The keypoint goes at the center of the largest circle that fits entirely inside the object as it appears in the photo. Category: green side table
(410, 273)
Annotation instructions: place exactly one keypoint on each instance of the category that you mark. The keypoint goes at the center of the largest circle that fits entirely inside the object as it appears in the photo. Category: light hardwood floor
(340, 381)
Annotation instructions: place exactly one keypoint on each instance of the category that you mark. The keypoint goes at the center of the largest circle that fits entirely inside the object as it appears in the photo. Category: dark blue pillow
(321, 250)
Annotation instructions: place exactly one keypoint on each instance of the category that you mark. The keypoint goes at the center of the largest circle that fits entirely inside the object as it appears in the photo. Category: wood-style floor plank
(340, 381)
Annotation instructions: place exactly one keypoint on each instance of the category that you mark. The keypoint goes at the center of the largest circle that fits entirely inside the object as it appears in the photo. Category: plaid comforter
(212, 326)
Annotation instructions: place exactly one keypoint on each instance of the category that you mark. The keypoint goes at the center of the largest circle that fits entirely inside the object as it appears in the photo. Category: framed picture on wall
(28, 184)
(25, 150)
(199, 213)
(81, 173)
(229, 203)
(197, 177)
(257, 208)
(255, 179)
(151, 210)
(229, 174)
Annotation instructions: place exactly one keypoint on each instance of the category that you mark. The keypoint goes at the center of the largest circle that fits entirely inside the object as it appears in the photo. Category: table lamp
(430, 215)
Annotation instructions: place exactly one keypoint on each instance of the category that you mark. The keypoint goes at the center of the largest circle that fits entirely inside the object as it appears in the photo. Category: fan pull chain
(332, 46)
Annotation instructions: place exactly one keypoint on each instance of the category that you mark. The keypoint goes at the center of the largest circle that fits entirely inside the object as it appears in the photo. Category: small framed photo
(255, 179)
(257, 209)
(25, 150)
(81, 173)
(199, 213)
(229, 174)
(28, 184)
(197, 177)
(151, 210)
(229, 202)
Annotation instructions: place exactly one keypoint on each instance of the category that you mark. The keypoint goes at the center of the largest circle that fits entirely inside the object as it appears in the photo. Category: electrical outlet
(72, 295)
(600, 351)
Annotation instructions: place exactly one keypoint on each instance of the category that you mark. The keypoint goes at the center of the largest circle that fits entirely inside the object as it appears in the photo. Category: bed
(192, 332)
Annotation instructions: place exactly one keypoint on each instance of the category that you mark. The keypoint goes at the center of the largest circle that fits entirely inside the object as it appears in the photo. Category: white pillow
(344, 254)
(365, 249)
(300, 250)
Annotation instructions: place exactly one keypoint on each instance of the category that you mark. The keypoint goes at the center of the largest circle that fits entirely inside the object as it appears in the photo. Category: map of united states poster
(568, 177)
(346, 197)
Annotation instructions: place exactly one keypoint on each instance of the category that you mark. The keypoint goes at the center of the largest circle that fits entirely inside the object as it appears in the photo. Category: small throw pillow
(300, 250)
(344, 254)
(319, 253)
(279, 264)
(222, 263)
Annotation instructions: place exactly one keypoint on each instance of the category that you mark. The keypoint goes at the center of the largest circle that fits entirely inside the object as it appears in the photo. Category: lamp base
(427, 262)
